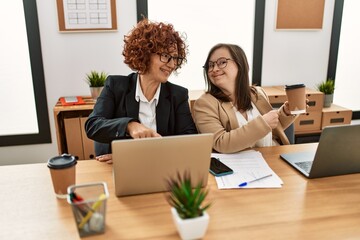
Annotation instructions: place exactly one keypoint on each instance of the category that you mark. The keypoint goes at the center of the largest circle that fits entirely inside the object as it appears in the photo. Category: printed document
(247, 166)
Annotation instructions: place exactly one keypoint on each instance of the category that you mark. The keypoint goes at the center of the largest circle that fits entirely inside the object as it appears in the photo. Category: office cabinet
(87, 144)
(335, 115)
(277, 97)
(70, 130)
(307, 122)
(308, 126)
(73, 137)
(316, 100)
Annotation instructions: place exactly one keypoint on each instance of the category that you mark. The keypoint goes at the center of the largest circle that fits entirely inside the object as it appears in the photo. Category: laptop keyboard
(306, 166)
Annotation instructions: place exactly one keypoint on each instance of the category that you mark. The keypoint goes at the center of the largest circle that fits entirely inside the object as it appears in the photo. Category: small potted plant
(96, 82)
(327, 87)
(188, 211)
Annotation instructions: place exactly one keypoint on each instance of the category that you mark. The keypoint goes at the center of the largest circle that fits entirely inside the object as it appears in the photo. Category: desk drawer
(310, 121)
(335, 115)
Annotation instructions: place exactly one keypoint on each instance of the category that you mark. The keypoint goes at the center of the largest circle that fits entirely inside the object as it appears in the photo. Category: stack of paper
(248, 167)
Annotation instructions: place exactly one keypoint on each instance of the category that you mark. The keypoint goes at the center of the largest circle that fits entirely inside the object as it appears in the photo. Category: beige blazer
(217, 117)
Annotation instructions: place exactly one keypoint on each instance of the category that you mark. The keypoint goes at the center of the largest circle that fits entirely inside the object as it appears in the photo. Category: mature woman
(239, 115)
(143, 104)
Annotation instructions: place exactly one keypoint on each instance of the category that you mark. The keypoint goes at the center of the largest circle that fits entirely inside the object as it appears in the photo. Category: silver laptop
(143, 165)
(338, 153)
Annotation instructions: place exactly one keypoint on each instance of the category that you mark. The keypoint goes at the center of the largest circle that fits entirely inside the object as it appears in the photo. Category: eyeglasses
(166, 58)
(221, 63)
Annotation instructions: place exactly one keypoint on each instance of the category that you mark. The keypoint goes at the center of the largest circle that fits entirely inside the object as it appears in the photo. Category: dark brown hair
(243, 89)
(148, 38)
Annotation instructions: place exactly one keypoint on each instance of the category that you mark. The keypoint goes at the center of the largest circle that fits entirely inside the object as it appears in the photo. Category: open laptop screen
(143, 165)
(338, 153)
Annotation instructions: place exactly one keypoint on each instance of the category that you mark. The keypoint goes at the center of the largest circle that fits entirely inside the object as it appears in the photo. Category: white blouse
(147, 109)
(266, 141)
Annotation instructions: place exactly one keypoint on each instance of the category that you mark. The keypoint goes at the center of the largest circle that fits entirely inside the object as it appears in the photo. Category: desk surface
(324, 208)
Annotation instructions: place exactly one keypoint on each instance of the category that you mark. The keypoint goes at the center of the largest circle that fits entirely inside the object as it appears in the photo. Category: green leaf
(186, 200)
(327, 87)
(96, 79)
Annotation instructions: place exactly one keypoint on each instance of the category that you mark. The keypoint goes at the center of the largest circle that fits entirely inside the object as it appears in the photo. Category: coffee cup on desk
(62, 171)
(296, 97)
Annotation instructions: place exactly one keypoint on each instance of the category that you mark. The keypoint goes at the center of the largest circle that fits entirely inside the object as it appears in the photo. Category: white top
(253, 113)
(147, 109)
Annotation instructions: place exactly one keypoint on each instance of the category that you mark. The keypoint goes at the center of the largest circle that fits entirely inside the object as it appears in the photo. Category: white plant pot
(95, 92)
(328, 99)
(193, 228)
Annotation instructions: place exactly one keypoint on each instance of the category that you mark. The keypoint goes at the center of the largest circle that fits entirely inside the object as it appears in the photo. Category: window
(347, 83)
(22, 94)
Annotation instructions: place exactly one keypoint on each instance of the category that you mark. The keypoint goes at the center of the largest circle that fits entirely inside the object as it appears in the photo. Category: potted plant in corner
(187, 210)
(96, 81)
(327, 87)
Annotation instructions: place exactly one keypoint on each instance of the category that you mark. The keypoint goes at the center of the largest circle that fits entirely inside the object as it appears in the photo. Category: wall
(236, 26)
(68, 56)
(290, 56)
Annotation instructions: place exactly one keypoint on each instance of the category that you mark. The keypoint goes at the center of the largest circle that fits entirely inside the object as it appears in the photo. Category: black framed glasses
(166, 58)
(221, 63)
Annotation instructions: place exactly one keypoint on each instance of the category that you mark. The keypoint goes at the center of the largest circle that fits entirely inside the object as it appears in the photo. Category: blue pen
(256, 179)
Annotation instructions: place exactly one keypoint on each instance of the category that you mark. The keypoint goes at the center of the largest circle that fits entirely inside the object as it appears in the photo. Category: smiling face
(224, 78)
(160, 70)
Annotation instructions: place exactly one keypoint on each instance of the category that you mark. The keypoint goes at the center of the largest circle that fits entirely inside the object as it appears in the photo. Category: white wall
(226, 25)
(290, 56)
(68, 56)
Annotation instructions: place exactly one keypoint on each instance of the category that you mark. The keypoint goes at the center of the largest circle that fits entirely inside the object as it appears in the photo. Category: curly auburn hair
(148, 38)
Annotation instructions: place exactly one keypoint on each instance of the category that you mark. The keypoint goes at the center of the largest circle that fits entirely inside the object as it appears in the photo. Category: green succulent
(186, 200)
(96, 79)
(327, 87)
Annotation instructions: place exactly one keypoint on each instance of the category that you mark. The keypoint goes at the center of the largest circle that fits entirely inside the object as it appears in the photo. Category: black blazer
(116, 107)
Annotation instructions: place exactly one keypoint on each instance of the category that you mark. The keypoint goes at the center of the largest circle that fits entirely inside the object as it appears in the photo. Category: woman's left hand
(107, 158)
(287, 108)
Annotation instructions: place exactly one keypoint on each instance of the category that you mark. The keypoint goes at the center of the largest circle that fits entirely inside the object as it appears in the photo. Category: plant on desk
(96, 82)
(188, 213)
(328, 88)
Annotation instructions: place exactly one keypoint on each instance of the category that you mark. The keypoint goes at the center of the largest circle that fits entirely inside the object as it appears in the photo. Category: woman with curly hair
(143, 104)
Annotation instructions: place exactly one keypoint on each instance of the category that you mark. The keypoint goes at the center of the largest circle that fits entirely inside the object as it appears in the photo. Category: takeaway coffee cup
(296, 98)
(62, 171)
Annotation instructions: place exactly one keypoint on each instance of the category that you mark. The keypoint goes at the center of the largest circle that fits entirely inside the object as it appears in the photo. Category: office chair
(290, 133)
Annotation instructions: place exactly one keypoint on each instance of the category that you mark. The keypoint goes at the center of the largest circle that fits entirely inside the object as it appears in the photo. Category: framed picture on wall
(300, 15)
(86, 15)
